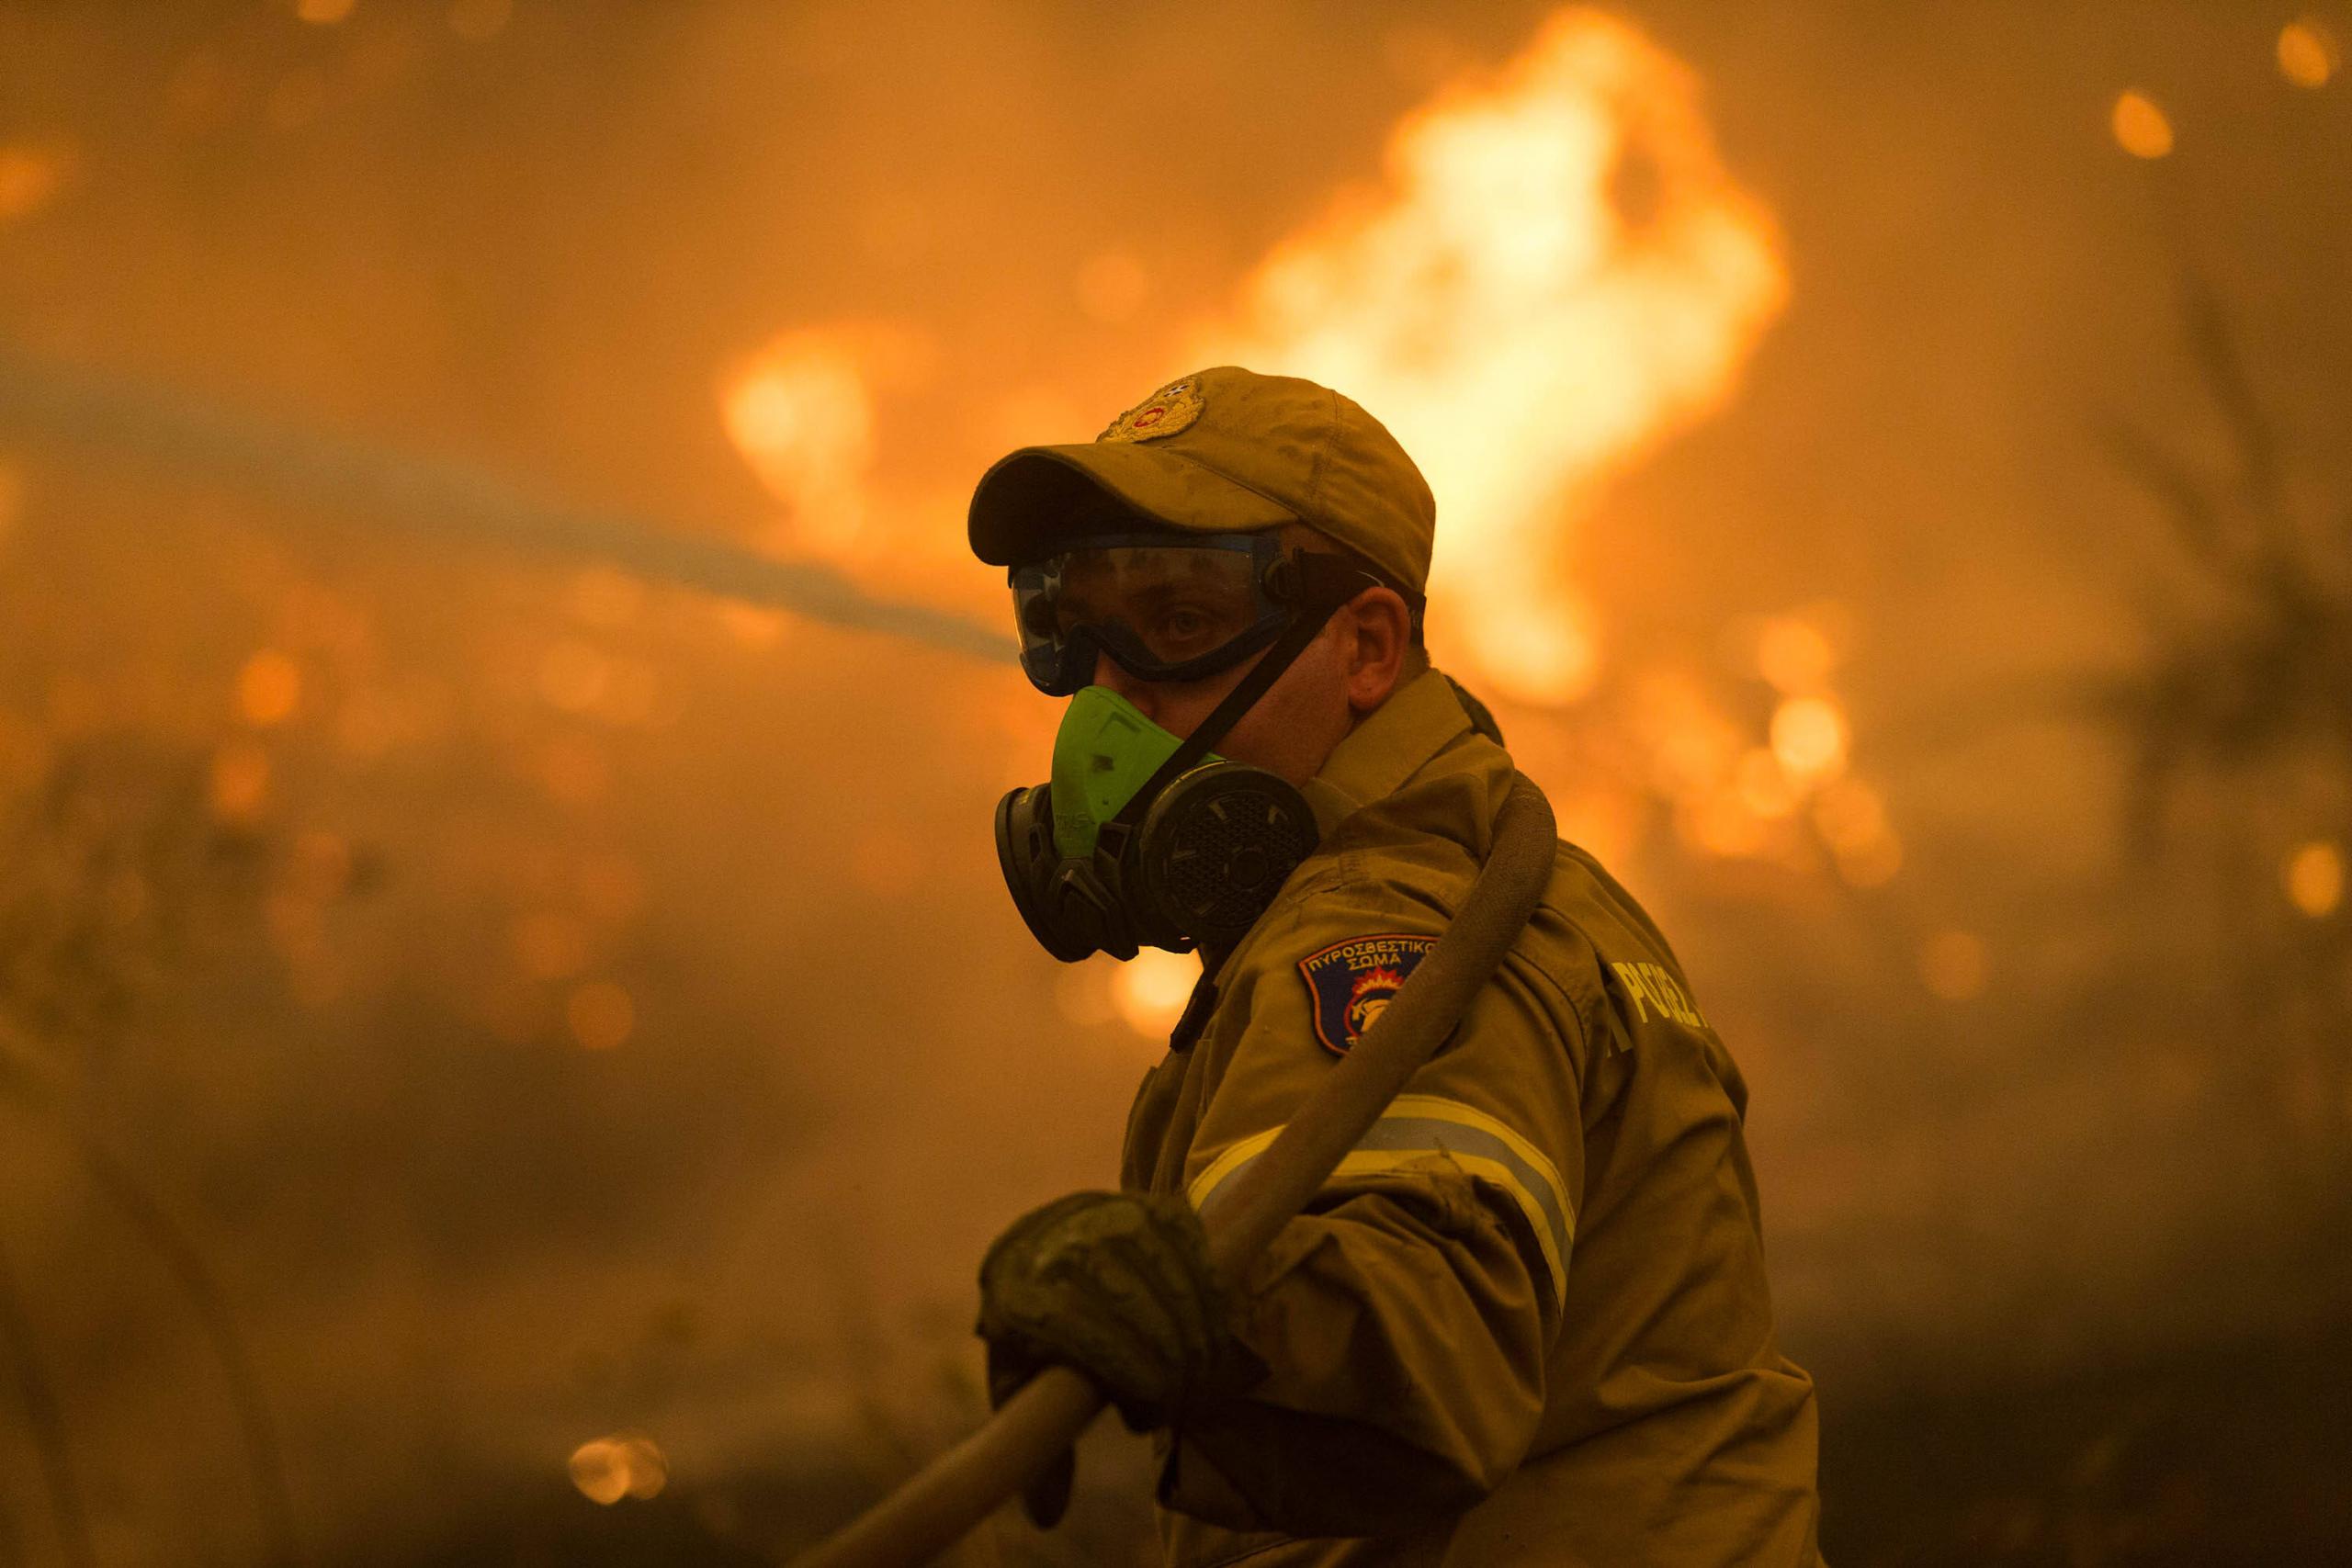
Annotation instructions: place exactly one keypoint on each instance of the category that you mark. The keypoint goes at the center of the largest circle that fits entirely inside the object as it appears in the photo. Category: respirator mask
(1141, 839)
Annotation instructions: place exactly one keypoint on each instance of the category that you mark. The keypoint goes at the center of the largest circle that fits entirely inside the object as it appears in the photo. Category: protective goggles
(1167, 608)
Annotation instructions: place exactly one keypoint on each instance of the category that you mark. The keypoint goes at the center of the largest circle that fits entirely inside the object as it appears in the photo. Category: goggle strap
(1322, 600)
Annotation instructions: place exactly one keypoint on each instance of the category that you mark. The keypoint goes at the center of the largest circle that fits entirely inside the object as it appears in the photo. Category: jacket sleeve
(1405, 1319)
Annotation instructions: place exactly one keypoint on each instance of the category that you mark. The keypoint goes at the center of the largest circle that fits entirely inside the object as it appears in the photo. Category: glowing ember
(2140, 129)
(1559, 275)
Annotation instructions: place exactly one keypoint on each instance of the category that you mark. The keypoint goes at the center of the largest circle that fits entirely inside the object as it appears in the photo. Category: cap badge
(1166, 412)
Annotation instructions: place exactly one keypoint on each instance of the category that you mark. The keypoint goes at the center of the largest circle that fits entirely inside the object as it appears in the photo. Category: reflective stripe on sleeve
(1414, 1128)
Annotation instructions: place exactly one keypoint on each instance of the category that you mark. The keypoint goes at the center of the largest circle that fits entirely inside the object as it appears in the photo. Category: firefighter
(1526, 1321)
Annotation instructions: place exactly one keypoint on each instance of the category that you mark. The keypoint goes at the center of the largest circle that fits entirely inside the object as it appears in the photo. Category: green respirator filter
(1105, 751)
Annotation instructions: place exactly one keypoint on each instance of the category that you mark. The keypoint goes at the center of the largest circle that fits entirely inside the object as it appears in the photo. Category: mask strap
(1322, 600)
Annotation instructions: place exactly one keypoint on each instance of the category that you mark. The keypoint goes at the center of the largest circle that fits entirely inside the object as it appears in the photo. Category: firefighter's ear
(1375, 629)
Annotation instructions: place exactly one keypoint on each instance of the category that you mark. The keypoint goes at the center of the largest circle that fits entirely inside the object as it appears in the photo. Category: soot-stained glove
(1119, 1286)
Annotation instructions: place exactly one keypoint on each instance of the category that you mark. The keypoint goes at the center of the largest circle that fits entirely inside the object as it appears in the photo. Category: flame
(803, 413)
(1558, 275)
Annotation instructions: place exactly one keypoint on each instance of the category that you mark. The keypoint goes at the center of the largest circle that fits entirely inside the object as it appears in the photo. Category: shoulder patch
(1350, 983)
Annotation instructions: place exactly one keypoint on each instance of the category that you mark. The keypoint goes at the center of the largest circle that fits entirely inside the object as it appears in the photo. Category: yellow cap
(1221, 451)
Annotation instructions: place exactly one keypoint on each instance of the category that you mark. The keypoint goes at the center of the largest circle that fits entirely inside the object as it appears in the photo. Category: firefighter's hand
(1119, 1286)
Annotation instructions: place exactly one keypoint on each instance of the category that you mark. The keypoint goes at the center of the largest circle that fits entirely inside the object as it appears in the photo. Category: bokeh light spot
(2313, 876)
(573, 675)
(1874, 863)
(270, 688)
(1794, 655)
(1809, 736)
(573, 772)
(325, 13)
(2141, 127)
(1150, 990)
(804, 413)
(749, 624)
(2309, 55)
(604, 597)
(1722, 823)
(1764, 785)
(1849, 816)
(1953, 965)
(321, 865)
(29, 177)
(240, 781)
(611, 886)
(602, 1016)
(551, 945)
(627, 1464)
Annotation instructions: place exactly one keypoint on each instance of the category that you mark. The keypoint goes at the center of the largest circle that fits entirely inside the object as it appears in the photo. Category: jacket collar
(1387, 745)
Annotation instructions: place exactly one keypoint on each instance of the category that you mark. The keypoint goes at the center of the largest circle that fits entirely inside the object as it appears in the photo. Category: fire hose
(940, 1503)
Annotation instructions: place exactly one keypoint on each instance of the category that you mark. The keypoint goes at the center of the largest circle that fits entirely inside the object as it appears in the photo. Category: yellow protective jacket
(1526, 1322)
